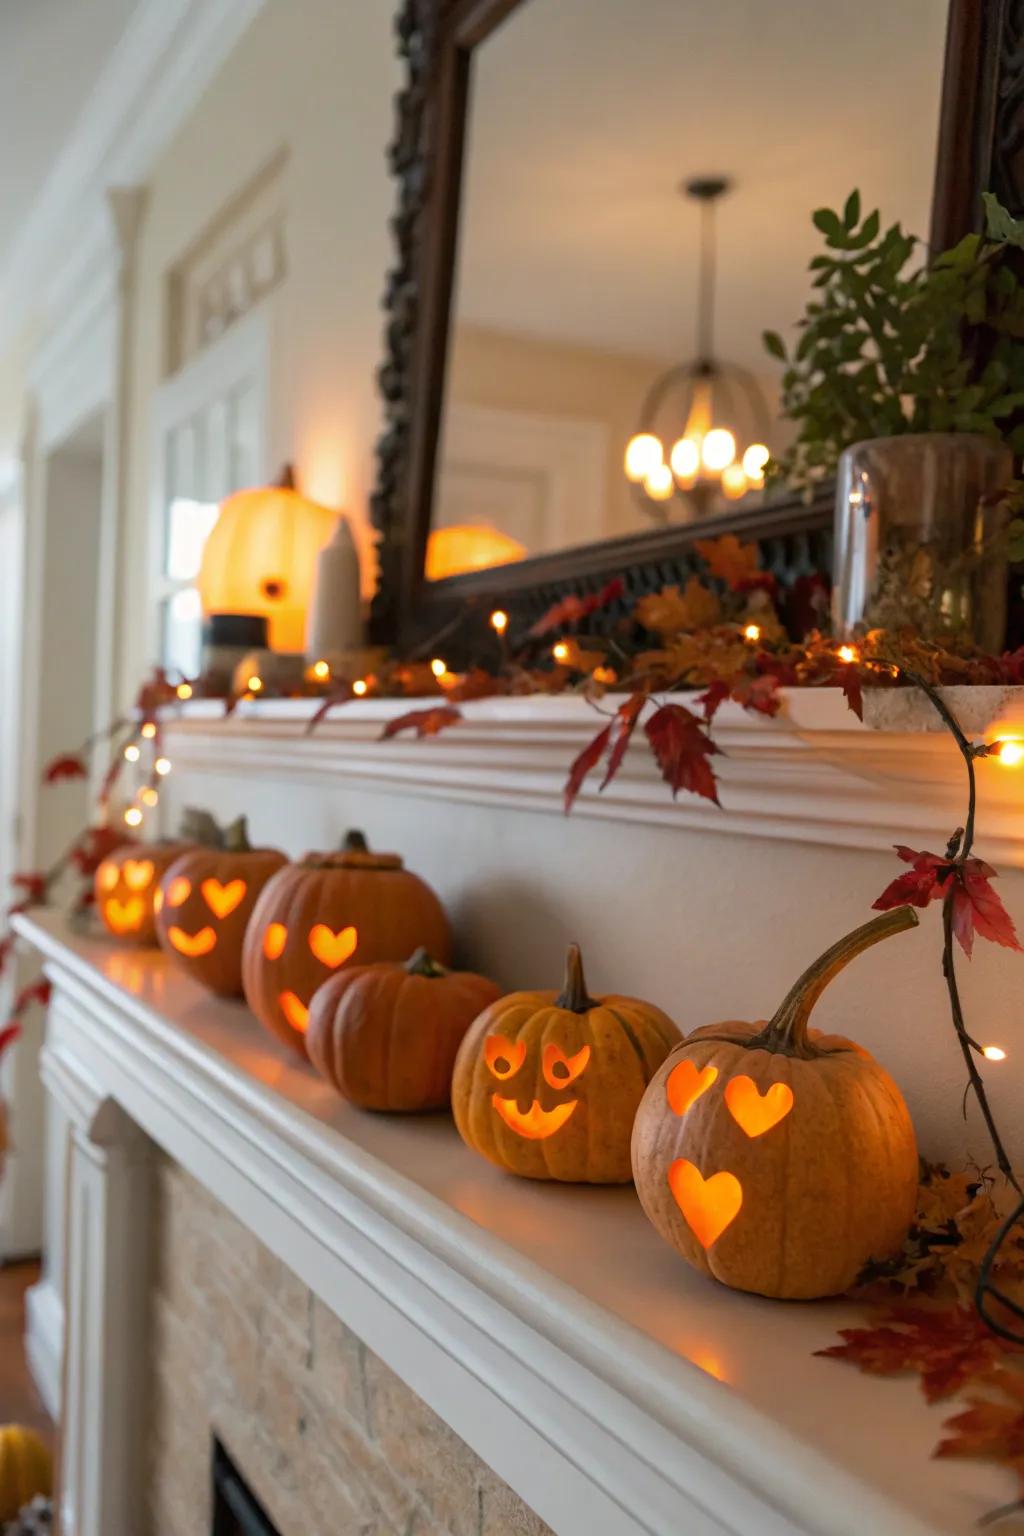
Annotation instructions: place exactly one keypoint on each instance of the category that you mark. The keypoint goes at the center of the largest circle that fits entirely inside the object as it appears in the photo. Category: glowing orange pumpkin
(206, 899)
(777, 1159)
(546, 1085)
(261, 558)
(126, 887)
(469, 547)
(318, 915)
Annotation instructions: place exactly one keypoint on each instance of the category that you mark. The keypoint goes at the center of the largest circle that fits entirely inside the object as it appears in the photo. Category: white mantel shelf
(814, 774)
(618, 1392)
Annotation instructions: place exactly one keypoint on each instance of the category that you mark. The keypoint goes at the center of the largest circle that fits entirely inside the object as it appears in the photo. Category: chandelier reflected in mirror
(704, 461)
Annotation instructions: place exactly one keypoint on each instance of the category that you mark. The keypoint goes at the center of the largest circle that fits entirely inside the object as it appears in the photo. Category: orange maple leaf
(946, 1346)
(990, 1429)
(729, 560)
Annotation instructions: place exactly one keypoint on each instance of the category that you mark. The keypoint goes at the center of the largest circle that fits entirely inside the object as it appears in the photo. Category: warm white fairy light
(149, 796)
(321, 671)
(133, 816)
(560, 651)
(132, 753)
(184, 690)
(993, 1053)
(1009, 753)
(752, 632)
(359, 687)
(499, 621)
(848, 653)
(438, 667)
(255, 683)
(162, 766)
(149, 730)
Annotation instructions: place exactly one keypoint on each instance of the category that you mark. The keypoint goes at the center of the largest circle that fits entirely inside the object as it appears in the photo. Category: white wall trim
(163, 63)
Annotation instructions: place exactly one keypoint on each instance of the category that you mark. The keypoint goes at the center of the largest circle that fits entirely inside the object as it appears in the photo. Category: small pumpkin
(126, 886)
(26, 1469)
(775, 1158)
(324, 912)
(546, 1084)
(385, 1036)
(204, 904)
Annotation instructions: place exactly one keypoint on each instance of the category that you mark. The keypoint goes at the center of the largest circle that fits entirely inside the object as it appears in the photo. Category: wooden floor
(20, 1403)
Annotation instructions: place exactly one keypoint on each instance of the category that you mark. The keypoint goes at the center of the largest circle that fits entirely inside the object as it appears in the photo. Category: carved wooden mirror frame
(980, 146)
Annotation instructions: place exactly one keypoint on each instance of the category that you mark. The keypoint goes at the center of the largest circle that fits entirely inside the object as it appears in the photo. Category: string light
(184, 690)
(993, 1053)
(560, 651)
(499, 621)
(752, 632)
(438, 667)
(149, 730)
(162, 765)
(605, 675)
(848, 653)
(1010, 753)
(321, 671)
(149, 795)
(133, 816)
(359, 687)
(132, 753)
(255, 683)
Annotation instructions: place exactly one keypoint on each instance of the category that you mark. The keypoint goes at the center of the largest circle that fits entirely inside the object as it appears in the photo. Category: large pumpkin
(204, 903)
(261, 558)
(318, 915)
(26, 1469)
(777, 1159)
(126, 887)
(386, 1035)
(546, 1084)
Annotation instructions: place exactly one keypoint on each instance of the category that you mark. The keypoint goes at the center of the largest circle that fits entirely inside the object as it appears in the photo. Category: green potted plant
(906, 383)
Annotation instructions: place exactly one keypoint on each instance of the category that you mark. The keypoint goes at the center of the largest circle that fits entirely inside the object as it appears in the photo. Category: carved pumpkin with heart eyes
(315, 916)
(775, 1158)
(204, 904)
(126, 887)
(546, 1084)
(386, 1035)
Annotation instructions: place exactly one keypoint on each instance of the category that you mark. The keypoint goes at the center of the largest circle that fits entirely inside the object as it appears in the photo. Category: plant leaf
(425, 722)
(588, 759)
(623, 726)
(681, 748)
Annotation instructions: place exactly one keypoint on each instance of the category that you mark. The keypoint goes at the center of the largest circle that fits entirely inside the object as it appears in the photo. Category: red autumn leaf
(990, 1429)
(760, 694)
(93, 846)
(681, 748)
(849, 682)
(425, 722)
(712, 698)
(476, 684)
(340, 696)
(588, 759)
(946, 1346)
(626, 717)
(6, 946)
(67, 766)
(571, 609)
(33, 883)
(976, 907)
(35, 992)
(8, 1035)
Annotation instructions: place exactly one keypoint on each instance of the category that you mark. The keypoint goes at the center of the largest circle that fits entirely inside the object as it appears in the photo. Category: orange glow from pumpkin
(708, 1205)
(193, 945)
(124, 916)
(537, 1123)
(686, 1084)
(179, 891)
(504, 1057)
(158, 900)
(332, 949)
(295, 1011)
(108, 877)
(274, 940)
(756, 1112)
(223, 899)
(559, 1069)
(138, 873)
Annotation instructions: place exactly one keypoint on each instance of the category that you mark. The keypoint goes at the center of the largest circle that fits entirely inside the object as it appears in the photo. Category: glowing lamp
(659, 483)
(469, 547)
(734, 482)
(261, 555)
(643, 454)
(685, 459)
(754, 461)
(718, 449)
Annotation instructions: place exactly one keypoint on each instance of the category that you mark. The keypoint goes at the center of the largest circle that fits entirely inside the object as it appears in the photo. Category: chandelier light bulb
(734, 481)
(685, 459)
(754, 461)
(659, 483)
(644, 454)
(718, 450)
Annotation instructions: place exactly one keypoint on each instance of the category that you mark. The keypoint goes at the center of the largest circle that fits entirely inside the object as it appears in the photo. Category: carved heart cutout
(295, 1011)
(708, 1205)
(222, 899)
(124, 916)
(685, 1085)
(193, 945)
(274, 940)
(332, 949)
(138, 873)
(755, 1112)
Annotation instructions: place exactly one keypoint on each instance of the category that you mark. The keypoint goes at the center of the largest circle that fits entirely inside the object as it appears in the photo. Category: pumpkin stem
(355, 842)
(788, 1029)
(574, 995)
(286, 479)
(236, 836)
(422, 963)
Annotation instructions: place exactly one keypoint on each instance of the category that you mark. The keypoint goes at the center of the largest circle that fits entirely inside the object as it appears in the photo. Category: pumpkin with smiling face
(126, 886)
(546, 1085)
(777, 1159)
(205, 901)
(324, 912)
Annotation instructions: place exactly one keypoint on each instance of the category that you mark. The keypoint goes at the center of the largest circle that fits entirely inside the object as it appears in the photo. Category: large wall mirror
(605, 204)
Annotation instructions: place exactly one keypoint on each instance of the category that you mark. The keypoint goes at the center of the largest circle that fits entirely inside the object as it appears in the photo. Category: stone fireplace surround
(534, 1349)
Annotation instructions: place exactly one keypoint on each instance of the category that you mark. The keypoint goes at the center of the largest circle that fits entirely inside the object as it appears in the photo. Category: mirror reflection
(637, 192)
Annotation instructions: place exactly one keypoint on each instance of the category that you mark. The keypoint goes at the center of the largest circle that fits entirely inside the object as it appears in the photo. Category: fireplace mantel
(616, 1391)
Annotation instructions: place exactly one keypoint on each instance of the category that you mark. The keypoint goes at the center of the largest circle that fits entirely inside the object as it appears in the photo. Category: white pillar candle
(335, 617)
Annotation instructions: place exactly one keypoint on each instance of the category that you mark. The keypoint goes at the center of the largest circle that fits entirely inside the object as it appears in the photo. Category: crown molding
(161, 66)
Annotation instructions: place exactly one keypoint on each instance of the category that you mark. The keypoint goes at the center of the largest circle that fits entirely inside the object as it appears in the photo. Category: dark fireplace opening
(236, 1510)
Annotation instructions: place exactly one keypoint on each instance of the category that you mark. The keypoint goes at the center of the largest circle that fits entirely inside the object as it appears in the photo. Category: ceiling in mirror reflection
(576, 279)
